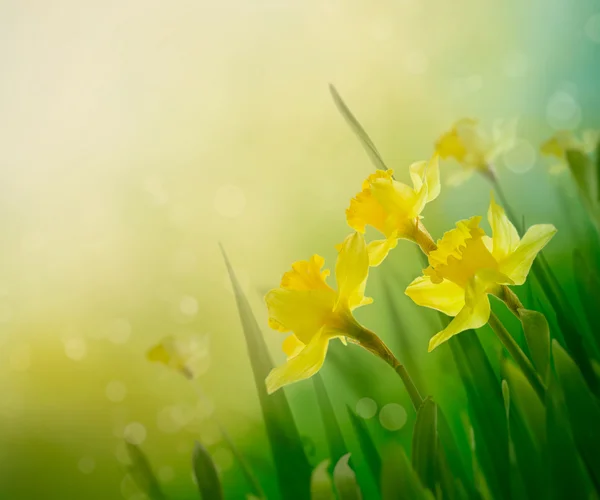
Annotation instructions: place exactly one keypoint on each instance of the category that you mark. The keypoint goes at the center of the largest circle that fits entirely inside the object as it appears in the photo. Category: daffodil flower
(565, 140)
(394, 208)
(187, 354)
(315, 313)
(468, 265)
(475, 149)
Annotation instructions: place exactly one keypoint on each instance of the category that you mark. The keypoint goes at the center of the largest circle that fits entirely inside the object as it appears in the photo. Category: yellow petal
(518, 263)
(379, 249)
(306, 275)
(504, 235)
(302, 366)
(159, 354)
(468, 318)
(446, 296)
(425, 176)
(303, 312)
(352, 269)
(291, 346)
(365, 210)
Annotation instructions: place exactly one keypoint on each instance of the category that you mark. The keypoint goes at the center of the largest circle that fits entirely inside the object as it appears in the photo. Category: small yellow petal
(504, 234)
(473, 315)
(518, 263)
(159, 354)
(303, 312)
(425, 175)
(302, 366)
(446, 296)
(379, 249)
(365, 210)
(306, 275)
(291, 346)
(352, 268)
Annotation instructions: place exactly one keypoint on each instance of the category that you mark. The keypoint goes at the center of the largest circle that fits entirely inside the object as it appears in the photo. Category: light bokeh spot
(521, 158)
(86, 464)
(230, 201)
(563, 111)
(75, 348)
(116, 391)
(366, 408)
(188, 305)
(392, 417)
(135, 433)
(223, 458)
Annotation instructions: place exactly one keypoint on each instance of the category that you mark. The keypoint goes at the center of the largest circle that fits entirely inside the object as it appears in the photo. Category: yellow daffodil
(187, 354)
(565, 140)
(315, 313)
(394, 208)
(476, 150)
(468, 265)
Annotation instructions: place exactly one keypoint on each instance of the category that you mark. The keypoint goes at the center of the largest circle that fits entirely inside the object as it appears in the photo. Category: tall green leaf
(344, 480)
(398, 478)
(333, 433)
(142, 473)
(487, 410)
(205, 474)
(358, 130)
(425, 443)
(588, 287)
(367, 446)
(537, 335)
(292, 468)
(583, 409)
(567, 474)
(321, 486)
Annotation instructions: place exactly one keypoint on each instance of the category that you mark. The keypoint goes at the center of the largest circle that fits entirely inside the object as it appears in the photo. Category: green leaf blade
(205, 474)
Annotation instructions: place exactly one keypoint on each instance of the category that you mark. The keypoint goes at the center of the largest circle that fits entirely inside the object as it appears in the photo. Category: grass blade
(366, 444)
(567, 474)
(292, 467)
(205, 473)
(344, 480)
(143, 474)
(424, 443)
(398, 478)
(321, 486)
(333, 433)
(358, 130)
(583, 410)
(537, 335)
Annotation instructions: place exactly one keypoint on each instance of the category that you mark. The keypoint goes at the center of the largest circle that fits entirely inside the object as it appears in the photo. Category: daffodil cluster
(465, 265)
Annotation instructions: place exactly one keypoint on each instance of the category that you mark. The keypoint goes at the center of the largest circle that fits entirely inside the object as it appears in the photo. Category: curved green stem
(519, 356)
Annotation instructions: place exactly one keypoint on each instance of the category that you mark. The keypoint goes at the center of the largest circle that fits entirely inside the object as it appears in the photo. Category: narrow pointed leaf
(567, 474)
(367, 446)
(142, 473)
(424, 443)
(321, 486)
(292, 467)
(205, 474)
(583, 410)
(333, 433)
(344, 480)
(537, 335)
(588, 287)
(399, 479)
(358, 130)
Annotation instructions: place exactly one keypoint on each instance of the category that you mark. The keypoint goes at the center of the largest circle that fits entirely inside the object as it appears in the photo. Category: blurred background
(135, 136)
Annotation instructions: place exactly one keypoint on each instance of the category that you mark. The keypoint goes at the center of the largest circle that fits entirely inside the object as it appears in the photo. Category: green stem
(372, 343)
(519, 356)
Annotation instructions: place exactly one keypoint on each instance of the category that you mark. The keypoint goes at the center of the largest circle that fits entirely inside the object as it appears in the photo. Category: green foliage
(142, 473)
(425, 443)
(399, 479)
(537, 335)
(333, 433)
(367, 446)
(344, 480)
(205, 474)
(292, 467)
